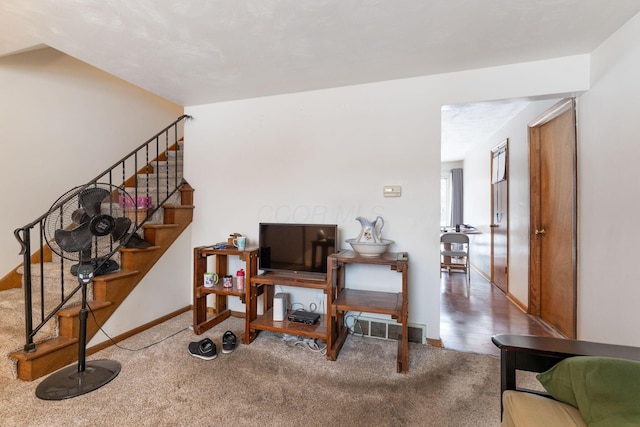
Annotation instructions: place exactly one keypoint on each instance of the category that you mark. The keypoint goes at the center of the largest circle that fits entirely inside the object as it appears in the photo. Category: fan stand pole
(77, 380)
(82, 344)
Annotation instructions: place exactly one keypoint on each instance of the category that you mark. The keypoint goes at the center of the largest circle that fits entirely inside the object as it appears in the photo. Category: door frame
(534, 306)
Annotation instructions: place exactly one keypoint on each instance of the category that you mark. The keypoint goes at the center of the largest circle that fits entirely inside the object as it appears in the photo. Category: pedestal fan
(84, 225)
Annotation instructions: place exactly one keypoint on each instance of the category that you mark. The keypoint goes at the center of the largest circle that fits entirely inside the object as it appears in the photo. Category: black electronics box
(302, 316)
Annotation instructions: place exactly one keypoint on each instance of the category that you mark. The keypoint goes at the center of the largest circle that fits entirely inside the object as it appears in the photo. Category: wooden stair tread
(116, 275)
(159, 226)
(45, 347)
(179, 206)
(150, 248)
(75, 309)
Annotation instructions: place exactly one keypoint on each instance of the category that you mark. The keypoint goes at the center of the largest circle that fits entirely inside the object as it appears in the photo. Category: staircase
(160, 178)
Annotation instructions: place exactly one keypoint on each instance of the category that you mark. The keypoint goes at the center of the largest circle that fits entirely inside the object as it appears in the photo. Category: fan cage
(61, 217)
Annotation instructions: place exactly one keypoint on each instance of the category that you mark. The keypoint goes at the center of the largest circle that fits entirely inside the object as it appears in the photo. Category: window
(445, 199)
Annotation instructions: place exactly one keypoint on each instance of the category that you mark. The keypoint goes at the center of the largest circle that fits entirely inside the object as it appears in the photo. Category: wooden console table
(201, 321)
(393, 304)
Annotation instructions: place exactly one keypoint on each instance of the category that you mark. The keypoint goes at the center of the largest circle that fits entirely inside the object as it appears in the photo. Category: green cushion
(605, 390)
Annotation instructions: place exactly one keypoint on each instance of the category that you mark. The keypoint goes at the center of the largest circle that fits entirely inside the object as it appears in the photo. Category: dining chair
(454, 253)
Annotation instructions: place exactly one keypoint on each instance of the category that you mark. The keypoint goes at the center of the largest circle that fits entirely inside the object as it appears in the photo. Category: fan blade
(91, 199)
(74, 240)
(79, 216)
(121, 228)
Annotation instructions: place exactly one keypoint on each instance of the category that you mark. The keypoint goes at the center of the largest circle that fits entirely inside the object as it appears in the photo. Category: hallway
(470, 316)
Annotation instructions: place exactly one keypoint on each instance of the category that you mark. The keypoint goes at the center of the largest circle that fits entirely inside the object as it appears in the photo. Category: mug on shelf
(240, 242)
(227, 281)
(210, 279)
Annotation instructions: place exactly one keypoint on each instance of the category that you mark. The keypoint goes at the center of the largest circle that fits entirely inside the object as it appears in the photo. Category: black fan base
(68, 382)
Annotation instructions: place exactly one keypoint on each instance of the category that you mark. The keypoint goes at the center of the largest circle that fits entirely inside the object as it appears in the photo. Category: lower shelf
(369, 302)
(266, 323)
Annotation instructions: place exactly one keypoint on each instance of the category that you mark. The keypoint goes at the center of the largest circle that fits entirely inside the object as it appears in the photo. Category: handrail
(178, 120)
(105, 172)
(152, 152)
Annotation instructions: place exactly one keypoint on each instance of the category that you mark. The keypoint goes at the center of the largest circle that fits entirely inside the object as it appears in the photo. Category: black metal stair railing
(142, 165)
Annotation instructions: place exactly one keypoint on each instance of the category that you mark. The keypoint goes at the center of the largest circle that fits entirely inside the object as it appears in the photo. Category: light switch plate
(392, 191)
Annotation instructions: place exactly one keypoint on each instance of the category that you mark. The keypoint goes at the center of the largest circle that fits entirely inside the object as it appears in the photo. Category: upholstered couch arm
(537, 354)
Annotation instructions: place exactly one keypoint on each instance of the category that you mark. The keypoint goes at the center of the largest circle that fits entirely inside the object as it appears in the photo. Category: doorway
(553, 222)
(500, 216)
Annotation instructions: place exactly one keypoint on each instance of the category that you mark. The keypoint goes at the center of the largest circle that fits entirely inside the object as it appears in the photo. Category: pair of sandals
(206, 349)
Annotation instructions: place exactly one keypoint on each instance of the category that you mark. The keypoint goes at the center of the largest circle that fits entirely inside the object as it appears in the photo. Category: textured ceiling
(202, 51)
(465, 125)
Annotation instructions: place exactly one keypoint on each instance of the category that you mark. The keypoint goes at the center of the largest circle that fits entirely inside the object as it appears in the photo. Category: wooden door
(553, 238)
(500, 216)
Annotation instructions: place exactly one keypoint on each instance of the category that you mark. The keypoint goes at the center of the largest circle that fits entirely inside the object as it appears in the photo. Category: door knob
(494, 226)
(540, 232)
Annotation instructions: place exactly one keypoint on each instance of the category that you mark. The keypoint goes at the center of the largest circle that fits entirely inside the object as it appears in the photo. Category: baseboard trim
(517, 302)
(114, 340)
(435, 343)
(211, 310)
(480, 272)
(524, 309)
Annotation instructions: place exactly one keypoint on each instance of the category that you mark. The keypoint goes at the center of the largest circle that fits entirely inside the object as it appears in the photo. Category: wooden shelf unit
(389, 303)
(265, 321)
(201, 321)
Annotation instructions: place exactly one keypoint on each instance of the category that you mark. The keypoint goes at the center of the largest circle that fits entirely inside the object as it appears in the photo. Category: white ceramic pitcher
(371, 231)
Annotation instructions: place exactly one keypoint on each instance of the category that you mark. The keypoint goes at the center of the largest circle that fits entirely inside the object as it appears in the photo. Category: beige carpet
(269, 383)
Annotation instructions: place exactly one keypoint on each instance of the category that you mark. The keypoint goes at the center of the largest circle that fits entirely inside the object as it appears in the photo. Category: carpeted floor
(270, 383)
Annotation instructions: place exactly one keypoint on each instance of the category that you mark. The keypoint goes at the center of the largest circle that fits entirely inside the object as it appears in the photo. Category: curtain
(457, 210)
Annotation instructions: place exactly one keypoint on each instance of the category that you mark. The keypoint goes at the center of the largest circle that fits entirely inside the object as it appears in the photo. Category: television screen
(298, 248)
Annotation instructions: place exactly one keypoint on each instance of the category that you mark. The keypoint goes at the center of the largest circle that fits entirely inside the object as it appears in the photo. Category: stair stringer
(109, 291)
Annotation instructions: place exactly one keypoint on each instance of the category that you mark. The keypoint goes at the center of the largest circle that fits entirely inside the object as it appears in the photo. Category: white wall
(166, 288)
(63, 122)
(609, 193)
(447, 166)
(324, 156)
(477, 195)
(315, 157)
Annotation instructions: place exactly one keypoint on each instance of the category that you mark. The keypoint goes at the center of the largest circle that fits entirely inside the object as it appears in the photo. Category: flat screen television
(296, 248)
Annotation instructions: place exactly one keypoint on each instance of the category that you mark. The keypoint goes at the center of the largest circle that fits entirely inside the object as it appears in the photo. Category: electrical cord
(313, 307)
(352, 328)
(131, 349)
(308, 343)
(294, 304)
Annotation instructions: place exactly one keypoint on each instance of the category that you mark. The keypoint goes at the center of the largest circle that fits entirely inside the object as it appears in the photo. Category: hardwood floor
(471, 315)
